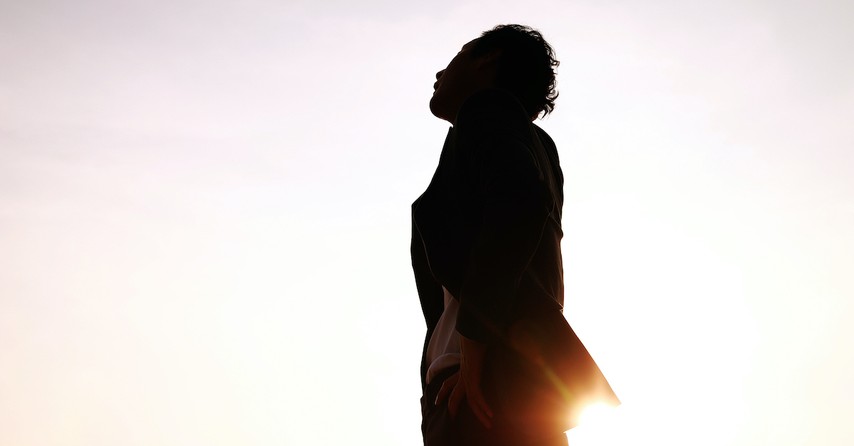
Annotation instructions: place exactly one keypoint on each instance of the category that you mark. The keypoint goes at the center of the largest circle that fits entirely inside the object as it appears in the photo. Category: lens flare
(595, 414)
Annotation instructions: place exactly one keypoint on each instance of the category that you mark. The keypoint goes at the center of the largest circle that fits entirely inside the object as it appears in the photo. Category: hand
(466, 383)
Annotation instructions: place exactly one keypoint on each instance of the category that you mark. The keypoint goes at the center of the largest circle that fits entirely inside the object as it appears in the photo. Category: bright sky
(204, 216)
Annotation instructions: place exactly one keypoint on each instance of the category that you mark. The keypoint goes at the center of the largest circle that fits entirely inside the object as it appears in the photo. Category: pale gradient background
(204, 218)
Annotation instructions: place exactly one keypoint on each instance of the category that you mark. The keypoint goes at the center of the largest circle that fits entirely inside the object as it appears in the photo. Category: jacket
(488, 226)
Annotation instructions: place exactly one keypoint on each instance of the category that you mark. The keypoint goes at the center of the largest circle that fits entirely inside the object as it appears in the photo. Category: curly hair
(526, 65)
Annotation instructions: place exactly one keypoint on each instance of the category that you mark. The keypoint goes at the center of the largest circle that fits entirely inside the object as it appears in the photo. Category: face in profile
(463, 76)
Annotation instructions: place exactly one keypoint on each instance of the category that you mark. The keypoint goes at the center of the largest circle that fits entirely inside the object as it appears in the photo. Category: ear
(487, 66)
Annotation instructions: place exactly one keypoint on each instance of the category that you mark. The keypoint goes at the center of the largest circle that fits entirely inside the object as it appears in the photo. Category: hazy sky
(204, 216)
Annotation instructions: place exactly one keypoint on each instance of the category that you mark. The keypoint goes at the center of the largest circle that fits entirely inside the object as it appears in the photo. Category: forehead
(469, 44)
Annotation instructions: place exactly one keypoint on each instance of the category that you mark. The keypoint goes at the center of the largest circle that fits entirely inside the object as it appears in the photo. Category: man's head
(513, 57)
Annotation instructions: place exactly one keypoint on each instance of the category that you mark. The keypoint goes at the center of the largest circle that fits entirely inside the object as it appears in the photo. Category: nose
(439, 74)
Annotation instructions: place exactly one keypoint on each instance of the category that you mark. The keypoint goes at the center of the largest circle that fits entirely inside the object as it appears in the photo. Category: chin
(434, 108)
(439, 109)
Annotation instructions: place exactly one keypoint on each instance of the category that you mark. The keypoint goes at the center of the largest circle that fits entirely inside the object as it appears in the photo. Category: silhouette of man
(486, 241)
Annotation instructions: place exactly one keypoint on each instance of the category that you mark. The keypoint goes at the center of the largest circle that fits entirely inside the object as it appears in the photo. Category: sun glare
(595, 414)
(599, 425)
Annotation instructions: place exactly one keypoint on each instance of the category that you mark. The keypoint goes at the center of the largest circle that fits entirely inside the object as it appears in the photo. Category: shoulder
(495, 137)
